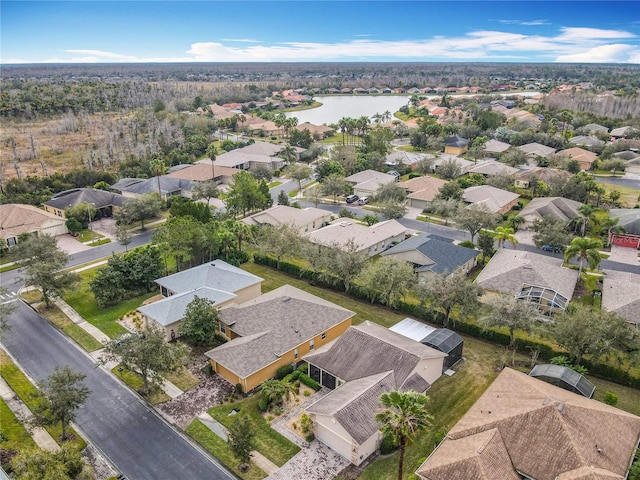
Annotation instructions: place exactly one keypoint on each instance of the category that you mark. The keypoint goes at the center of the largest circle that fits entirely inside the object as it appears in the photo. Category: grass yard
(219, 449)
(25, 390)
(629, 197)
(82, 301)
(134, 380)
(17, 437)
(269, 443)
(183, 379)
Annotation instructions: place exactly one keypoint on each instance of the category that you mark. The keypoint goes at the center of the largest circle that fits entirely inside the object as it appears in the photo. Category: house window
(324, 336)
(223, 328)
(312, 344)
(295, 353)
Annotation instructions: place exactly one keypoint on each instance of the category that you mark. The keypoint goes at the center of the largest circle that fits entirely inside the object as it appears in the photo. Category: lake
(334, 107)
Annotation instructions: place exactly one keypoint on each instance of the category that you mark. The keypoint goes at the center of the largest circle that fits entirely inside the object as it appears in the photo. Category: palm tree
(506, 234)
(275, 391)
(342, 123)
(386, 116)
(586, 212)
(403, 415)
(584, 248)
(157, 168)
(279, 119)
(288, 153)
(289, 124)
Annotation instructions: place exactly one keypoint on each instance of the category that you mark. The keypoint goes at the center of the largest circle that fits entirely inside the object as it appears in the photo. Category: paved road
(130, 434)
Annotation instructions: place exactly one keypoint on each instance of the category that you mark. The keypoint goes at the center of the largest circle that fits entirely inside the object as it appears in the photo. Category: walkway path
(20, 410)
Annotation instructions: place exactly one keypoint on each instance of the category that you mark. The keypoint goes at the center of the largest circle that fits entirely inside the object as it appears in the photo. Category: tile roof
(172, 309)
(548, 433)
(218, 275)
(368, 349)
(99, 198)
(494, 198)
(441, 255)
(16, 219)
(621, 294)
(339, 233)
(579, 154)
(272, 326)
(355, 404)
(508, 270)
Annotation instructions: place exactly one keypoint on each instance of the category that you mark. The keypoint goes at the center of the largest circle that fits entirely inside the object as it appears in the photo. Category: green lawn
(219, 449)
(629, 197)
(183, 379)
(25, 390)
(134, 380)
(269, 443)
(82, 301)
(18, 438)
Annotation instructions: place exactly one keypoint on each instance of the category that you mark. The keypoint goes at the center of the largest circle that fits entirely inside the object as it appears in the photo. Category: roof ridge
(382, 375)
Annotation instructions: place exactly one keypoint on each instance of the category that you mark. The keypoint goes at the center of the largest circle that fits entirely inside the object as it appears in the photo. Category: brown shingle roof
(17, 219)
(423, 188)
(202, 172)
(547, 432)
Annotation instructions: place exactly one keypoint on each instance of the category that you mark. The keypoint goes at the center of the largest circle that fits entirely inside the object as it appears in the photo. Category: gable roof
(272, 325)
(339, 233)
(16, 219)
(509, 270)
(99, 198)
(172, 309)
(368, 349)
(494, 198)
(355, 403)
(423, 188)
(285, 215)
(442, 255)
(536, 149)
(535, 420)
(496, 146)
(621, 294)
(218, 275)
(629, 218)
(559, 208)
(142, 186)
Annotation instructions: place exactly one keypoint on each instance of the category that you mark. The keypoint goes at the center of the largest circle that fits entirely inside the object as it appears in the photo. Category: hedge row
(309, 382)
(605, 371)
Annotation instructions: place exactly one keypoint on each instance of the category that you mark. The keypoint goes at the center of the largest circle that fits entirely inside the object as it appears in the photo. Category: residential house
(367, 182)
(494, 199)
(620, 132)
(406, 159)
(558, 208)
(461, 163)
(204, 171)
(534, 150)
(621, 295)
(455, 145)
(102, 200)
(586, 141)
(258, 153)
(496, 146)
(365, 362)
(631, 159)
(531, 277)
(373, 240)
(543, 174)
(273, 330)
(17, 219)
(136, 187)
(217, 281)
(522, 427)
(584, 157)
(595, 128)
(316, 131)
(422, 190)
(303, 220)
(490, 168)
(433, 255)
(629, 219)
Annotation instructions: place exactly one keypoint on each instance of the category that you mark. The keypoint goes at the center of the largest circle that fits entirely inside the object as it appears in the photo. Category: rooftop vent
(285, 299)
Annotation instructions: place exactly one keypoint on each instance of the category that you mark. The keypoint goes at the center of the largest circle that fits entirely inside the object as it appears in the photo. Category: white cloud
(525, 22)
(615, 53)
(241, 40)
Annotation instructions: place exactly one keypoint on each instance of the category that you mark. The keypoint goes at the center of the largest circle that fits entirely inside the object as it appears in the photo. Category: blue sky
(294, 31)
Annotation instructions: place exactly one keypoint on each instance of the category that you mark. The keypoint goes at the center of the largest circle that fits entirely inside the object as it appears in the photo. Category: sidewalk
(20, 410)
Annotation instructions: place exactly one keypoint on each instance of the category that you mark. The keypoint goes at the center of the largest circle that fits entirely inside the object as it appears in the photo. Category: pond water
(334, 107)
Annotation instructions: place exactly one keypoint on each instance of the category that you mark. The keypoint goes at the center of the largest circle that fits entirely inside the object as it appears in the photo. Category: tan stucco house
(17, 219)
(303, 220)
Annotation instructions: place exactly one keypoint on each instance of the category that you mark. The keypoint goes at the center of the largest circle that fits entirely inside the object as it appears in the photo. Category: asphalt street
(136, 440)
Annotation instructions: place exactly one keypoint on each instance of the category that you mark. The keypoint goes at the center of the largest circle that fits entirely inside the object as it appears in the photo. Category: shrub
(414, 175)
(238, 388)
(283, 371)
(263, 405)
(387, 445)
(292, 377)
(309, 382)
(467, 244)
(610, 398)
(310, 437)
(306, 425)
(306, 393)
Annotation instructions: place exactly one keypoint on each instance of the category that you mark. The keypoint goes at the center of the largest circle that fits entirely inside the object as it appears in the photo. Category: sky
(319, 31)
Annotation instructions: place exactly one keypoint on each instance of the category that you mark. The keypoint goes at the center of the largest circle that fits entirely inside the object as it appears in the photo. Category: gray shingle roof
(508, 270)
(629, 218)
(447, 256)
(368, 349)
(621, 295)
(560, 208)
(456, 141)
(142, 186)
(493, 198)
(218, 275)
(99, 198)
(274, 326)
(355, 404)
(172, 309)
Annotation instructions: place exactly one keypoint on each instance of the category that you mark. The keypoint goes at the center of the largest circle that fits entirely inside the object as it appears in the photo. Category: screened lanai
(564, 377)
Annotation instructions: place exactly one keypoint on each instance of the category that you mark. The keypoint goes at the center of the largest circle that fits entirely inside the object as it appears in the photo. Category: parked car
(363, 201)
(549, 248)
(352, 198)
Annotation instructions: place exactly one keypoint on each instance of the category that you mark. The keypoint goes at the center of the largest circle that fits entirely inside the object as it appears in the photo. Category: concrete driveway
(624, 255)
(70, 244)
